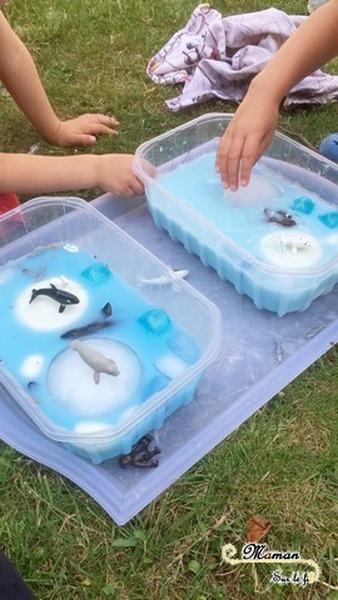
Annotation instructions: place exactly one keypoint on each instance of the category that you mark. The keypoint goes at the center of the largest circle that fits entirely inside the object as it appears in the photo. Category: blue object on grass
(329, 147)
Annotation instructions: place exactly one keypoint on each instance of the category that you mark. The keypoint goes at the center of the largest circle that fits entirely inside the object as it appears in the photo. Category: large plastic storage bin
(161, 333)
(283, 264)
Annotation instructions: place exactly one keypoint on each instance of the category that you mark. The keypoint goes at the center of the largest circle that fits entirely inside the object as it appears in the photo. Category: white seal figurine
(94, 359)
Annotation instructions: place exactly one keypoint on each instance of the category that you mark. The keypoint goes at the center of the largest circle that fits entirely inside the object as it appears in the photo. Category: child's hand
(115, 175)
(247, 136)
(83, 130)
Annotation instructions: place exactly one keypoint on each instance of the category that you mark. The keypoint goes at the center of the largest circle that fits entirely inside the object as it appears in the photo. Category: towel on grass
(218, 56)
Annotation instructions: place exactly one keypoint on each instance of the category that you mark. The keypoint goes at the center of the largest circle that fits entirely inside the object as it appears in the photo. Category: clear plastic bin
(74, 281)
(276, 240)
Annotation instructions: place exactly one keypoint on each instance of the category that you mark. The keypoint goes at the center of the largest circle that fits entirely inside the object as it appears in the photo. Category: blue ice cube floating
(303, 204)
(330, 219)
(96, 273)
(155, 320)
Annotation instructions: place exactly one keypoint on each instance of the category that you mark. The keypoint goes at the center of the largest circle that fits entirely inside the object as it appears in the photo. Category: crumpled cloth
(218, 56)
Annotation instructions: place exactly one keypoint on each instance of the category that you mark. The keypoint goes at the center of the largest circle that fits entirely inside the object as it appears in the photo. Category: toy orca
(64, 298)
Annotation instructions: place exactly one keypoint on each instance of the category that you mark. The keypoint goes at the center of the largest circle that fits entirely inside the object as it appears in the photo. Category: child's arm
(252, 128)
(20, 77)
(32, 174)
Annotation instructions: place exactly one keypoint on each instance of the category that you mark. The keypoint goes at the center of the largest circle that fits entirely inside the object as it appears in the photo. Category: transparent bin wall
(60, 221)
(51, 221)
(47, 221)
(179, 142)
(311, 171)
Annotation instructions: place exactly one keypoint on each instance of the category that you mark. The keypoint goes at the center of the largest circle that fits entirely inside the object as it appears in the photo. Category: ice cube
(156, 320)
(303, 204)
(156, 384)
(96, 273)
(184, 346)
(170, 365)
(330, 220)
(32, 365)
(260, 189)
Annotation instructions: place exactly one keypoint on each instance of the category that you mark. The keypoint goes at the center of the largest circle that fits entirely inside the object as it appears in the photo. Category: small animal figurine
(94, 359)
(279, 351)
(140, 455)
(173, 275)
(107, 310)
(85, 330)
(64, 298)
(294, 243)
(279, 216)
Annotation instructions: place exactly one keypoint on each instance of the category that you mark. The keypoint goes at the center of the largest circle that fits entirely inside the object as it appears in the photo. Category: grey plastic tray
(261, 354)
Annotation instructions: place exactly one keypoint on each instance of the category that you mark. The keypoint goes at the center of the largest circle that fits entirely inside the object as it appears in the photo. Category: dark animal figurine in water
(107, 310)
(140, 455)
(85, 330)
(64, 298)
(279, 216)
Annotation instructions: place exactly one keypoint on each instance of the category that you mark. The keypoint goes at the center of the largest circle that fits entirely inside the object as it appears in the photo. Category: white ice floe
(71, 382)
(291, 249)
(42, 313)
(260, 189)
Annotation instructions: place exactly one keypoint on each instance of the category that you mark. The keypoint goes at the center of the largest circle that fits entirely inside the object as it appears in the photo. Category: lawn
(281, 464)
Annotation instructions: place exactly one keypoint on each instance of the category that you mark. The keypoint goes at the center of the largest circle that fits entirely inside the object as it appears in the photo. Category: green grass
(281, 464)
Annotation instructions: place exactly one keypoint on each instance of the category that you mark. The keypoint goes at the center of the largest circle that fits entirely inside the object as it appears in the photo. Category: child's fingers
(108, 120)
(137, 187)
(95, 124)
(249, 156)
(100, 129)
(88, 139)
(252, 152)
(228, 161)
(129, 189)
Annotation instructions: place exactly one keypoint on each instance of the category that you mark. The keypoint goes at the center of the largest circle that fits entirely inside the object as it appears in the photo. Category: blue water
(196, 185)
(42, 362)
